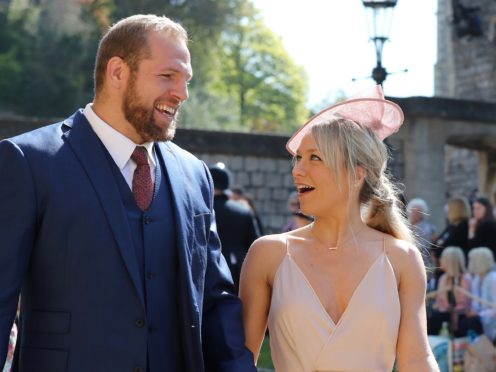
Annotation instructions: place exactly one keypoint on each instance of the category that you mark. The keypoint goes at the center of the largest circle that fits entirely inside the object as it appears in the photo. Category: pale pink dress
(304, 338)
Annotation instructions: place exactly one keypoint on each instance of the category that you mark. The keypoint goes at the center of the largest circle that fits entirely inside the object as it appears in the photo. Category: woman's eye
(295, 159)
(314, 157)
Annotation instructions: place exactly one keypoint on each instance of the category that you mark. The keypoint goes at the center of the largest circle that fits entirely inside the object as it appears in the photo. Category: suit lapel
(183, 210)
(89, 150)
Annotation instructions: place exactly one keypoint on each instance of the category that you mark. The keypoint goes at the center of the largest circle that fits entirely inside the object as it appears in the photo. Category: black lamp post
(380, 14)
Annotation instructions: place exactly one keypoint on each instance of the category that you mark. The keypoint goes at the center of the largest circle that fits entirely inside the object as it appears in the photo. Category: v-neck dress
(304, 338)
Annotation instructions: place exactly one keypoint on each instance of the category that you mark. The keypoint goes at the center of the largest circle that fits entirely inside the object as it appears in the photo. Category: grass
(264, 360)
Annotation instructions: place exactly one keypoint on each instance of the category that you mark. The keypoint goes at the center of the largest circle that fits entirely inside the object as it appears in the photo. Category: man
(236, 224)
(109, 243)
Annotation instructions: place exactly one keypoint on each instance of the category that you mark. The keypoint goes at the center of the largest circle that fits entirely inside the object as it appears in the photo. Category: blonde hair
(453, 260)
(458, 210)
(343, 142)
(480, 260)
(128, 39)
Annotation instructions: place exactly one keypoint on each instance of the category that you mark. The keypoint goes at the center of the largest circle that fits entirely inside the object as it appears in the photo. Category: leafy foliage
(243, 77)
(47, 73)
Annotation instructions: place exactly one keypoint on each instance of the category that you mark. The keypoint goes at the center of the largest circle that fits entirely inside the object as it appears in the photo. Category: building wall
(466, 66)
(466, 69)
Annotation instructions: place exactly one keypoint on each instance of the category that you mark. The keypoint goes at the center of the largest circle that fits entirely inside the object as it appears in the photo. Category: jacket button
(139, 323)
(138, 369)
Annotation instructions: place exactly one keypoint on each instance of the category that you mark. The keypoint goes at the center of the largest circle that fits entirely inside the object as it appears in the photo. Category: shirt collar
(117, 144)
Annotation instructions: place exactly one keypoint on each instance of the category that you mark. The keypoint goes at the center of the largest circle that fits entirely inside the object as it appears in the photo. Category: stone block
(274, 180)
(257, 179)
(252, 163)
(242, 179)
(268, 165)
(284, 166)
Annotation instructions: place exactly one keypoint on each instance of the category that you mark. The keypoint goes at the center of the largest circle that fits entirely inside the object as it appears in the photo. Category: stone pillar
(487, 174)
(444, 70)
(424, 165)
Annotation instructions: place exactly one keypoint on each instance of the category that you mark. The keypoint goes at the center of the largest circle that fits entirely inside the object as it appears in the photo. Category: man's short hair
(128, 39)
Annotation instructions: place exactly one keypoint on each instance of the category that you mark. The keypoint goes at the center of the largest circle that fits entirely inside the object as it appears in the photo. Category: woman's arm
(255, 290)
(413, 351)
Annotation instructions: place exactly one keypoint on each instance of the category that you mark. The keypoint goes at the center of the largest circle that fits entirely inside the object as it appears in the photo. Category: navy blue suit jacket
(65, 245)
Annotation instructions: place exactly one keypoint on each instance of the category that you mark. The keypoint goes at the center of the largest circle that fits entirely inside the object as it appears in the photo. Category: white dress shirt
(119, 146)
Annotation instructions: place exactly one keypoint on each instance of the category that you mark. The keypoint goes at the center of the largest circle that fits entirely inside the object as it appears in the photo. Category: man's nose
(180, 91)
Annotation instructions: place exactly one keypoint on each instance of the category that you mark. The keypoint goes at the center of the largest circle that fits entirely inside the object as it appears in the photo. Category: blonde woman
(455, 234)
(344, 293)
(481, 265)
(451, 304)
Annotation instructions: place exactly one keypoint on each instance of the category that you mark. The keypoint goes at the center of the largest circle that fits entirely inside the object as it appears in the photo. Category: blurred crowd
(461, 266)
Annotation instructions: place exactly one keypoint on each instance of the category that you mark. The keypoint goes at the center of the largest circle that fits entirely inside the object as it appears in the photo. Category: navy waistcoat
(154, 240)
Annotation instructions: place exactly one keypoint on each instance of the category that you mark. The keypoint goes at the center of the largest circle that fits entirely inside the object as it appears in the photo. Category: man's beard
(142, 117)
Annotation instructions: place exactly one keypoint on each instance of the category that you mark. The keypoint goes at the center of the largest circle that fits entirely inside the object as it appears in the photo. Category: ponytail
(383, 210)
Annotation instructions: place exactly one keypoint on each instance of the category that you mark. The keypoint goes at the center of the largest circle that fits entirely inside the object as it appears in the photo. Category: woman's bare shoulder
(267, 248)
(269, 243)
(399, 248)
(404, 256)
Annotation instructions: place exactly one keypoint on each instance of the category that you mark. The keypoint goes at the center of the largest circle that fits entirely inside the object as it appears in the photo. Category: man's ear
(117, 73)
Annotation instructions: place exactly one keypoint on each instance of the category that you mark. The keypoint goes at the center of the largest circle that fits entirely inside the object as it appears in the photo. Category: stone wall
(466, 66)
(465, 69)
(461, 170)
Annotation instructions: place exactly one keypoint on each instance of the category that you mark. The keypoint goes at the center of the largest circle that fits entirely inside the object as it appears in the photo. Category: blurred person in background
(238, 194)
(294, 208)
(296, 218)
(483, 313)
(418, 212)
(456, 231)
(482, 227)
(236, 224)
(454, 234)
(451, 305)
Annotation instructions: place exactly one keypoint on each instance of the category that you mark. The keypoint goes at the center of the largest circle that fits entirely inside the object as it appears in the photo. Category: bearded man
(105, 226)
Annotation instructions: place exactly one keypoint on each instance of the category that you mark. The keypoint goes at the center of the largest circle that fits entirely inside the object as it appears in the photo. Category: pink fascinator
(368, 108)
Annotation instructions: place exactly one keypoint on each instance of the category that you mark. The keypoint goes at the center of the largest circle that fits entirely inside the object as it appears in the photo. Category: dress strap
(287, 246)
(384, 244)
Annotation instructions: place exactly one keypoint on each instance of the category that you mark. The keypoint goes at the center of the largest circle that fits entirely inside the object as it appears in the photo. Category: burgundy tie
(142, 179)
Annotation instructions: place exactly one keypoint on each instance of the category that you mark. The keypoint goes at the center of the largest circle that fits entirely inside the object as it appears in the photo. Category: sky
(330, 39)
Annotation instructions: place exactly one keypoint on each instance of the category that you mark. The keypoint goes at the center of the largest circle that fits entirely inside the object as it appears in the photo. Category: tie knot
(140, 155)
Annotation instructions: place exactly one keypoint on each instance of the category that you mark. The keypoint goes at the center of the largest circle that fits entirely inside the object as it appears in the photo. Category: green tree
(243, 77)
(270, 89)
(47, 73)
